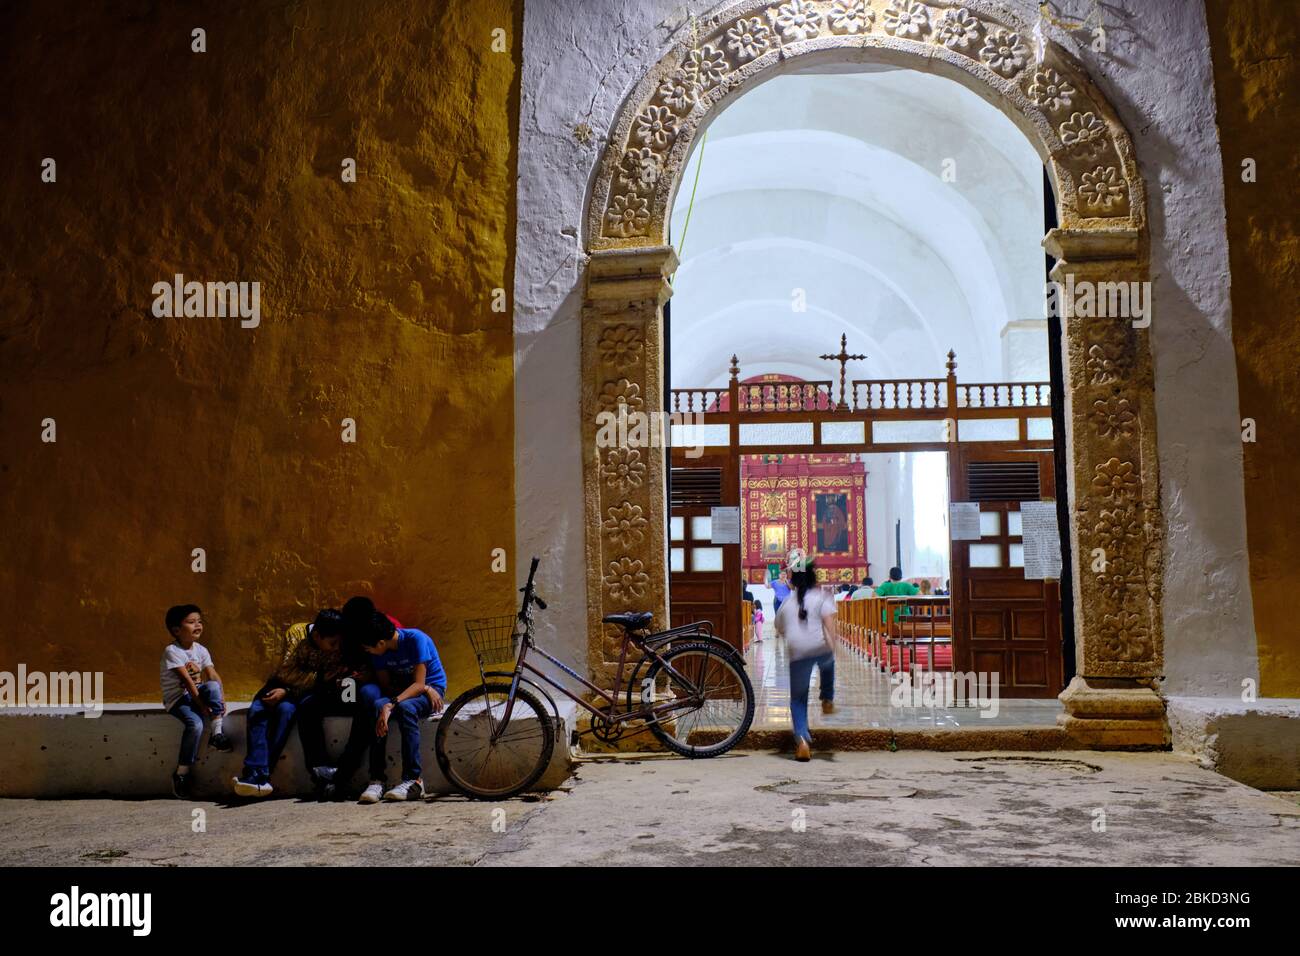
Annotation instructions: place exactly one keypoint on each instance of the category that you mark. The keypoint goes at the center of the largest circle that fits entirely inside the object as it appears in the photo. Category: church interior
(901, 214)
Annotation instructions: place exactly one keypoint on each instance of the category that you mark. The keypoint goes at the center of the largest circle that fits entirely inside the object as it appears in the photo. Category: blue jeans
(407, 716)
(185, 711)
(268, 731)
(800, 677)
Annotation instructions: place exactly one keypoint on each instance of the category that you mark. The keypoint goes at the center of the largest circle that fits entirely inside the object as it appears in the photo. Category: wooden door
(703, 578)
(1002, 622)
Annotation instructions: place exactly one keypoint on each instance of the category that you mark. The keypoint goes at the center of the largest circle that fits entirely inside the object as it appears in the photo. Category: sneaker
(372, 793)
(181, 786)
(802, 752)
(828, 707)
(258, 786)
(221, 742)
(406, 790)
(323, 775)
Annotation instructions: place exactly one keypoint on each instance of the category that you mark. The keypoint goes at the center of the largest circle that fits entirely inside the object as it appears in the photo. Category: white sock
(216, 725)
(183, 769)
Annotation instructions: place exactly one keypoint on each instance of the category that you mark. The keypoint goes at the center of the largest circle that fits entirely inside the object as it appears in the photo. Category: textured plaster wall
(192, 432)
(582, 57)
(1256, 80)
(1157, 73)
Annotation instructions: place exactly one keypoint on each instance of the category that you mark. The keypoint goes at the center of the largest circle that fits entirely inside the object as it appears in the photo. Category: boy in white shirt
(191, 690)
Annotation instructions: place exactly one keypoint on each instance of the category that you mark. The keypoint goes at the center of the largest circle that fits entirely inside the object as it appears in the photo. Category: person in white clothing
(807, 622)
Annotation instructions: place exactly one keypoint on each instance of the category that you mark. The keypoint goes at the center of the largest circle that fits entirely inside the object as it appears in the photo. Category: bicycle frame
(647, 645)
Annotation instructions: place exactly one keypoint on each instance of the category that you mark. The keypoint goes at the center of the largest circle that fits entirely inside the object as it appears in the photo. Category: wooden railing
(880, 394)
(698, 399)
(1005, 395)
(933, 399)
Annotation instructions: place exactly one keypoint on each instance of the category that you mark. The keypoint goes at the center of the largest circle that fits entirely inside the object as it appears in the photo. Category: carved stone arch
(1056, 105)
(1102, 238)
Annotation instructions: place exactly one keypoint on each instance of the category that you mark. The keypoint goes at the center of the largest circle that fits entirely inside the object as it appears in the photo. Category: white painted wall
(582, 57)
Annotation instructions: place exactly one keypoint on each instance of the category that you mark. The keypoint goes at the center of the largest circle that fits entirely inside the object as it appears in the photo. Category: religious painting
(773, 540)
(832, 523)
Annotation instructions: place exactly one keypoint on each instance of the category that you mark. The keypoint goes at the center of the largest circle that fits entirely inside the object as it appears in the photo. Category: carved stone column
(1116, 526)
(623, 467)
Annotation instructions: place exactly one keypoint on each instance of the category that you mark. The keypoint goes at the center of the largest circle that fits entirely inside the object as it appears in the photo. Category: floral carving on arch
(1049, 96)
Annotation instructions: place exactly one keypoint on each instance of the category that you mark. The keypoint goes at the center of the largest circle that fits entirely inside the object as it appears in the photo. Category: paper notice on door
(964, 520)
(1042, 539)
(726, 525)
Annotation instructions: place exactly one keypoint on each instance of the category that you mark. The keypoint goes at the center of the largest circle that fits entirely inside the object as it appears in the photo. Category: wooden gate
(1002, 622)
(703, 577)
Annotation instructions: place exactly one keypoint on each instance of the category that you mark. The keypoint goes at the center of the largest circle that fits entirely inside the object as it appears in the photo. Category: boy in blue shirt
(410, 684)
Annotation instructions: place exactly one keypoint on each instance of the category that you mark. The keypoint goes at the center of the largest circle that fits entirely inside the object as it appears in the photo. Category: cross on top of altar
(843, 358)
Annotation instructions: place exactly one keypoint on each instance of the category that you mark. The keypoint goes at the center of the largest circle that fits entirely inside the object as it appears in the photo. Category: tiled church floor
(862, 698)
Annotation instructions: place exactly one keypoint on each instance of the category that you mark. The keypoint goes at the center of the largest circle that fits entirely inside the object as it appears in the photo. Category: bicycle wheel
(487, 767)
(714, 695)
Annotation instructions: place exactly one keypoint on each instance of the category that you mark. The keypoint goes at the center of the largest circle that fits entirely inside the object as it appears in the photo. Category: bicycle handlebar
(529, 595)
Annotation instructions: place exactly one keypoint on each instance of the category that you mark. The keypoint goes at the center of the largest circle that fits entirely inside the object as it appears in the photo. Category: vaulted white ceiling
(829, 190)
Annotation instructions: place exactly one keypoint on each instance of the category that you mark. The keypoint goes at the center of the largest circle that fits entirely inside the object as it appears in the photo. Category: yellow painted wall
(192, 432)
(1254, 44)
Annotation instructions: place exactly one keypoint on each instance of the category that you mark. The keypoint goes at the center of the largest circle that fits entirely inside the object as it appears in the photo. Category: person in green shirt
(897, 587)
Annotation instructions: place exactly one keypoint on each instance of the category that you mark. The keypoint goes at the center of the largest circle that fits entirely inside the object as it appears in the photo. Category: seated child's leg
(363, 732)
(255, 757)
(184, 711)
(311, 729)
(278, 732)
(210, 691)
(409, 714)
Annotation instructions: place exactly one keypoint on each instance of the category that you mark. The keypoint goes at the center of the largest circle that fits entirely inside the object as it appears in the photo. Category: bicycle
(496, 740)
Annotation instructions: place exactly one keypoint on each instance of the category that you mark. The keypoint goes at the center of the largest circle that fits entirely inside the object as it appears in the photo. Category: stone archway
(1115, 529)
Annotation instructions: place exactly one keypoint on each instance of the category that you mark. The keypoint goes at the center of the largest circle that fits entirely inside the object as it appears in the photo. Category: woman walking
(807, 622)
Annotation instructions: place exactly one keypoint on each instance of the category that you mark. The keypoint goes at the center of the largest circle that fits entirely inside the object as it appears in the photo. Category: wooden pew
(919, 621)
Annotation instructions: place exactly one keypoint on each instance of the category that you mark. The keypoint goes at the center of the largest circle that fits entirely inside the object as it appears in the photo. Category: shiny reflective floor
(863, 698)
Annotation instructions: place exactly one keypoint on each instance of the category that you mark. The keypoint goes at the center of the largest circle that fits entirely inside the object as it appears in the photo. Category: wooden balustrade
(1004, 395)
(886, 399)
(697, 400)
(886, 394)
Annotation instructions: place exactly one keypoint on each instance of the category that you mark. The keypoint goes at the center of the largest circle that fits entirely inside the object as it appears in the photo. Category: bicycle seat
(629, 620)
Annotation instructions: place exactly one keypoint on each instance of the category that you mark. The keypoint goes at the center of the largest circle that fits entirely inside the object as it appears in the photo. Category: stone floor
(745, 808)
(862, 698)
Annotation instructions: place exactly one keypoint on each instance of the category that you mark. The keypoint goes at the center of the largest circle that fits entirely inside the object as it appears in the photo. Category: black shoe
(221, 742)
(181, 786)
(332, 793)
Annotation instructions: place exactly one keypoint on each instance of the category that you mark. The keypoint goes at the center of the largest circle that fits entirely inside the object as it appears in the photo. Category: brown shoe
(802, 752)
(828, 707)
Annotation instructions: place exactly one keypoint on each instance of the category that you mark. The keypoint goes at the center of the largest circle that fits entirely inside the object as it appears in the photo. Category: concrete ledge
(130, 751)
(1257, 744)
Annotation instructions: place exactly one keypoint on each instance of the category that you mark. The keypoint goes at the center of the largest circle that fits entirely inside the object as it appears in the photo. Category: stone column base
(1113, 713)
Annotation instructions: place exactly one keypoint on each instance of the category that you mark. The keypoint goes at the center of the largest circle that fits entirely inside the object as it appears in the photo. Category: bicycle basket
(494, 639)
